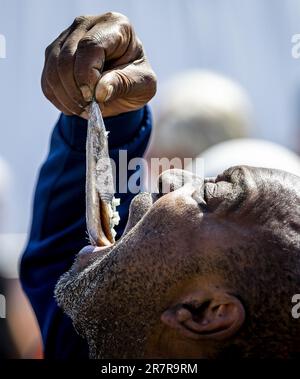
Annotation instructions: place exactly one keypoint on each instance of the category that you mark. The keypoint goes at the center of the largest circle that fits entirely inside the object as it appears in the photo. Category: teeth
(115, 218)
(115, 202)
(113, 213)
(114, 233)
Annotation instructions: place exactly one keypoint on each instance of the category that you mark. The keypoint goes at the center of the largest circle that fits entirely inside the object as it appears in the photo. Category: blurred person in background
(7, 346)
(198, 109)
(19, 334)
(250, 152)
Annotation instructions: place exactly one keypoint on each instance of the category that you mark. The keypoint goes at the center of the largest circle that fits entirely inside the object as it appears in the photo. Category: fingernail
(110, 89)
(86, 93)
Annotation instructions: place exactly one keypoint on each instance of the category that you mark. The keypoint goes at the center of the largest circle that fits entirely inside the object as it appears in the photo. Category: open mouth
(101, 215)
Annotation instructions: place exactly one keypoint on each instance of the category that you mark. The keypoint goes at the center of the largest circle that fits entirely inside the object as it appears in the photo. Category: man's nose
(172, 180)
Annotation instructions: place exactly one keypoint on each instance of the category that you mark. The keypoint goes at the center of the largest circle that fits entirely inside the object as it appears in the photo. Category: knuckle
(88, 42)
(109, 15)
(52, 56)
(150, 80)
(125, 27)
(121, 20)
(114, 16)
(125, 24)
(79, 20)
(153, 78)
(48, 49)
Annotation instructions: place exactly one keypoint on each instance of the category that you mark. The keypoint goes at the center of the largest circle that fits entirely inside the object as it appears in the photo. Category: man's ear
(200, 316)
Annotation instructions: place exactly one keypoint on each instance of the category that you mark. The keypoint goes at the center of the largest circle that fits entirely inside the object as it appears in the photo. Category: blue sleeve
(58, 229)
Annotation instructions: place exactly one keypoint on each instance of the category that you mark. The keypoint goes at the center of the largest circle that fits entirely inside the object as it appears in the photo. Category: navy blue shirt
(58, 229)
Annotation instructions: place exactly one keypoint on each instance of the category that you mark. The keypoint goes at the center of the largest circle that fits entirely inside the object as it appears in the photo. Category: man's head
(200, 272)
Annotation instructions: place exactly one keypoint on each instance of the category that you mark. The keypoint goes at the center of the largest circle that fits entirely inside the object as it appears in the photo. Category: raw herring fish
(101, 214)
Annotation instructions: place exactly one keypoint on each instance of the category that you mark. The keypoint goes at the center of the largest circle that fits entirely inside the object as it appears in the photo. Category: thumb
(132, 81)
(113, 84)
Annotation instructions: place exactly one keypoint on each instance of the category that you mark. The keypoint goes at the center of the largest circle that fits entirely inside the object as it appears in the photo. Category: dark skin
(191, 277)
(181, 275)
(101, 57)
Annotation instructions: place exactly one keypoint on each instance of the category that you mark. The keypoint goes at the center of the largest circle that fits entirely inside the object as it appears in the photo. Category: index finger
(66, 58)
(108, 40)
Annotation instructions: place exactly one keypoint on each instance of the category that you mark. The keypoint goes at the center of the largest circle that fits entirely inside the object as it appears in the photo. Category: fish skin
(99, 179)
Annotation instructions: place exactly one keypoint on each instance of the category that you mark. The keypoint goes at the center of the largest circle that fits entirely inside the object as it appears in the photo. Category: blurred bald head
(247, 151)
(197, 109)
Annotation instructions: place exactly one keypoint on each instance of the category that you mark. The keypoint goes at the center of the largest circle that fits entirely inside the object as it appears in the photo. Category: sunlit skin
(192, 280)
(199, 272)
(98, 56)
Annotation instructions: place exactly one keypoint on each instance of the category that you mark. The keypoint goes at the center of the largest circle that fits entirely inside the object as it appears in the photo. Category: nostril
(217, 192)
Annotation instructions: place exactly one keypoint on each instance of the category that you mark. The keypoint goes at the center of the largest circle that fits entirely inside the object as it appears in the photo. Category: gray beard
(116, 301)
